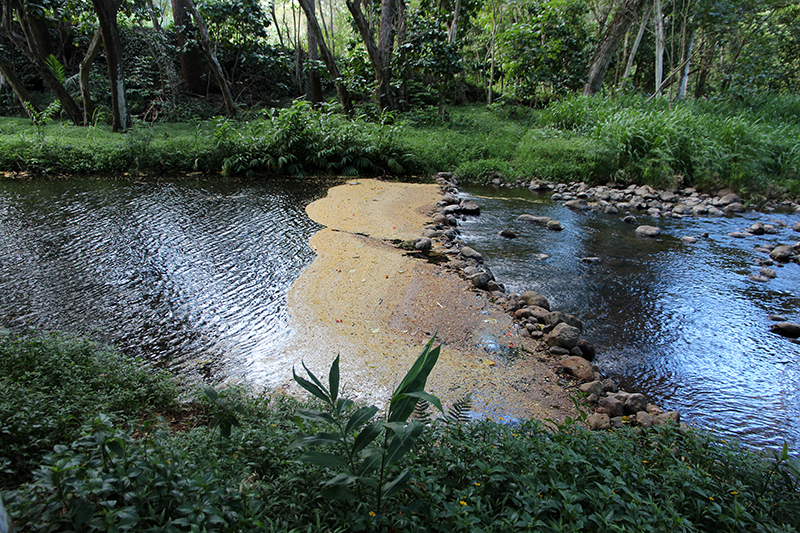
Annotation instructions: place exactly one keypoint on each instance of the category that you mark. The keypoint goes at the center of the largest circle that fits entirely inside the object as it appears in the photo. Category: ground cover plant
(751, 144)
(128, 475)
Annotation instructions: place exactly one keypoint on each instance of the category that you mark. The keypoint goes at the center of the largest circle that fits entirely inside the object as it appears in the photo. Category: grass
(122, 474)
(752, 146)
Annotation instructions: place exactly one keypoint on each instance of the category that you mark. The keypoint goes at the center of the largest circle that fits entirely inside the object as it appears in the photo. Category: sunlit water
(679, 322)
(191, 275)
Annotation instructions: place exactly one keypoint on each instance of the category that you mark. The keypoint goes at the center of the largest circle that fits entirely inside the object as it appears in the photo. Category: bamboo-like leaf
(360, 417)
(316, 381)
(372, 461)
(333, 380)
(400, 445)
(402, 405)
(315, 440)
(342, 405)
(428, 397)
(391, 488)
(329, 460)
(310, 414)
(339, 492)
(310, 387)
(367, 435)
(341, 479)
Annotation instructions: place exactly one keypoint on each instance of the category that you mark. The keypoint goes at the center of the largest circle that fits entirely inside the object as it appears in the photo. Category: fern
(458, 413)
(56, 68)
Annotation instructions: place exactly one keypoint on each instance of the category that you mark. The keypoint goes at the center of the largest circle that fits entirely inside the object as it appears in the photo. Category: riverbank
(376, 305)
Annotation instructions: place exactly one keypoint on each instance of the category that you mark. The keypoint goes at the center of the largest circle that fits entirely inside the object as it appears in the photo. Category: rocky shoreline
(559, 333)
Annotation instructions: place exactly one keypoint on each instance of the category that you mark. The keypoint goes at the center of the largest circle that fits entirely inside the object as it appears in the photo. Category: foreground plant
(360, 462)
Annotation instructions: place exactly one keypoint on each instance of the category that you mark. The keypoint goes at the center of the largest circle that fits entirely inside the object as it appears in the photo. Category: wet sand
(370, 302)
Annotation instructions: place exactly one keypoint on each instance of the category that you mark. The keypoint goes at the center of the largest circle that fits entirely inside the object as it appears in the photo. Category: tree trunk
(684, 80)
(636, 43)
(314, 91)
(380, 56)
(205, 43)
(163, 59)
(192, 68)
(22, 94)
(659, 23)
(402, 97)
(607, 46)
(327, 57)
(83, 77)
(107, 15)
(31, 50)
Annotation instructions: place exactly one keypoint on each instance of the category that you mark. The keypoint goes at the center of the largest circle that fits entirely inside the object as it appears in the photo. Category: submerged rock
(786, 329)
(648, 231)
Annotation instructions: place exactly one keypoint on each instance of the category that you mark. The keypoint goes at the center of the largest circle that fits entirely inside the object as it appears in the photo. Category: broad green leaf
(367, 435)
(402, 405)
(360, 417)
(316, 381)
(333, 380)
(372, 461)
(428, 397)
(315, 440)
(339, 492)
(400, 445)
(330, 460)
(310, 387)
(342, 405)
(391, 488)
(341, 479)
(311, 414)
(396, 427)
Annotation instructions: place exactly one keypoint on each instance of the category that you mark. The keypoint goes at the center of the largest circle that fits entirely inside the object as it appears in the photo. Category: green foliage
(484, 170)
(51, 384)
(363, 464)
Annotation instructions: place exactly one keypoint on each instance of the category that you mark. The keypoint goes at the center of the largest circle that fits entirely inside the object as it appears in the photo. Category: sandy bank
(368, 301)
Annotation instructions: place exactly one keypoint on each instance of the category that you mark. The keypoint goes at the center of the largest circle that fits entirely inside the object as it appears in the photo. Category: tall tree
(192, 68)
(604, 52)
(314, 91)
(107, 16)
(380, 54)
(21, 92)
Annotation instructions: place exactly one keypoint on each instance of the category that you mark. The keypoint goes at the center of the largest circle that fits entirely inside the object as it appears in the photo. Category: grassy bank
(752, 146)
(116, 472)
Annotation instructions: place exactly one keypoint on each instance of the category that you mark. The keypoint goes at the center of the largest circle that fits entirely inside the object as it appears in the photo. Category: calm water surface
(192, 275)
(681, 323)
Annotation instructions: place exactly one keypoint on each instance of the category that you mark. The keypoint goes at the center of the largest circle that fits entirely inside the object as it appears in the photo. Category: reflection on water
(191, 275)
(681, 323)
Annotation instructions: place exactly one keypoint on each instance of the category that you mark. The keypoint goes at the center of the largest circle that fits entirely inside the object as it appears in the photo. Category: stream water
(679, 322)
(192, 274)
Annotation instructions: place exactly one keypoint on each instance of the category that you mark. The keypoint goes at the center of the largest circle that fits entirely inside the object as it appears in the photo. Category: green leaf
(339, 492)
(319, 416)
(310, 387)
(315, 440)
(317, 382)
(430, 398)
(322, 459)
(360, 417)
(372, 461)
(367, 435)
(402, 405)
(341, 479)
(342, 405)
(391, 488)
(402, 444)
(333, 380)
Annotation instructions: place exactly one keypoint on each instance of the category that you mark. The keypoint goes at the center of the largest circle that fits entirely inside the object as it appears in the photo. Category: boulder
(423, 244)
(728, 199)
(648, 231)
(508, 234)
(587, 350)
(542, 221)
(598, 422)
(565, 336)
(782, 254)
(555, 225)
(670, 417)
(612, 406)
(688, 239)
(579, 204)
(735, 207)
(578, 367)
(480, 280)
(469, 253)
(593, 387)
(786, 329)
(468, 207)
(634, 403)
(644, 419)
(533, 298)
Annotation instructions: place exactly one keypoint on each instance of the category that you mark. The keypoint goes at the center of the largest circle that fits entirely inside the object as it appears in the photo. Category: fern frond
(458, 413)
(422, 412)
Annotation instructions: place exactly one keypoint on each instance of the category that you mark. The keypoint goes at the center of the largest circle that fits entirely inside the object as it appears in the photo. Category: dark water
(192, 275)
(681, 323)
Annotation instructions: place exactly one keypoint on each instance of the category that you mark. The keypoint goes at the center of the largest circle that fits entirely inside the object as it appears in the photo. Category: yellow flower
(645, 462)
(514, 435)
(462, 502)
(372, 513)
(477, 484)
(735, 493)
(711, 498)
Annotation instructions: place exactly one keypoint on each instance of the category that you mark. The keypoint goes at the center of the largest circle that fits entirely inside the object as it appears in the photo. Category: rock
(423, 244)
(431, 233)
(757, 229)
(714, 212)
(782, 254)
(612, 406)
(468, 207)
(610, 210)
(786, 329)
(578, 367)
(760, 279)
(608, 384)
(768, 273)
(565, 336)
(558, 350)
(440, 218)
(578, 204)
(542, 221)
(555, 225)
(480, 280)
(617, 422)
(648, 231)
(469, 253)
(796, 226)
(670, 417)
(644, 419)
(539, 314)
(735, 207)
(533, 298)
(668, 196)
(630, 219)
(654, 409)
(738, 235)
(634, 403)
(554, 318)
(687, 239)
(508, 234)
(729, 199)
(590, 260)
(587, 350)
(598, 422)
(593, 387)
